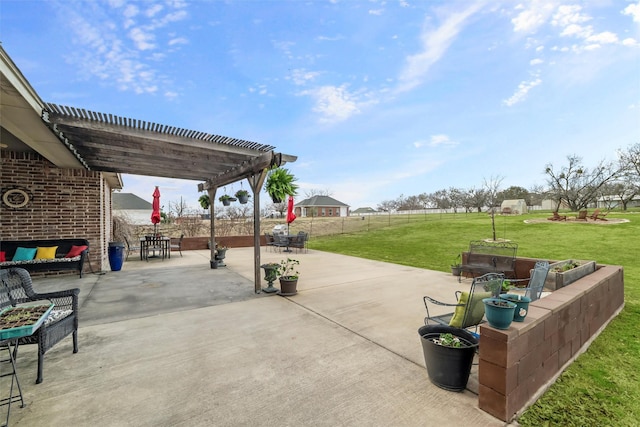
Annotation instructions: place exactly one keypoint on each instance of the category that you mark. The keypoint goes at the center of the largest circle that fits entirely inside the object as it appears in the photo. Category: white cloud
(301, 77)
(334, 103)
(376, 11)
(435, 44)
(522, 91)
(178, 40)
(143, 40)
(606, 37)
(533, 17)
(536, 61)
(633, 10)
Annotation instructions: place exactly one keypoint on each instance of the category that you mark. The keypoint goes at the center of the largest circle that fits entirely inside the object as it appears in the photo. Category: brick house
(321, 206)
(63, 164)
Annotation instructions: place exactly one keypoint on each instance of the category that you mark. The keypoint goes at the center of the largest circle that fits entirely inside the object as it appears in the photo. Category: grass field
(602, 388)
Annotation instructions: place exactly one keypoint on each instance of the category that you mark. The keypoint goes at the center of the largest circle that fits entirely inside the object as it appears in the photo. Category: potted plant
(456, 267)
(288, 276)
(448, 355)
(226, 199)
(522, 305)
(280, 184)
(270, 274)
(243, 196)
(221, 253)
(204, 201)
(499, 312)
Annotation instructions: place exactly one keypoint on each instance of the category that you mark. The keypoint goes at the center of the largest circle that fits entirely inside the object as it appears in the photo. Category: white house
(136, 210)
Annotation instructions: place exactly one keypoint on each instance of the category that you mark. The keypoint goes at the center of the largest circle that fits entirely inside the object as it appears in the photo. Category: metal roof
(110, 143)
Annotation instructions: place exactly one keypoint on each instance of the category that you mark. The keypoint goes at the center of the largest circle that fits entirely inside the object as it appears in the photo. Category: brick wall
(517, 364)
(65, 203)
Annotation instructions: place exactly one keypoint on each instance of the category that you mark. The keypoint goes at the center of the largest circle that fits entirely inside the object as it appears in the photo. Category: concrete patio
(172, 342)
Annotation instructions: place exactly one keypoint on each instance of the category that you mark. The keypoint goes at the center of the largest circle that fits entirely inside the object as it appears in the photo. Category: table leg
(14, 378)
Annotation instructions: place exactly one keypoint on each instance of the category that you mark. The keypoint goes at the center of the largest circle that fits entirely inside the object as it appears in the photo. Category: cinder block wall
(65, 203)
(517, 364)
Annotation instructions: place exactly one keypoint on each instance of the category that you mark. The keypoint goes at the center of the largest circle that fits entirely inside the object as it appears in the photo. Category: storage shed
(513, 207)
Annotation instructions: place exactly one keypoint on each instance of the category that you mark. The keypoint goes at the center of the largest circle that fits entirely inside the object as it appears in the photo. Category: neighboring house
(364, 211)
(321, 206)
(135, 209)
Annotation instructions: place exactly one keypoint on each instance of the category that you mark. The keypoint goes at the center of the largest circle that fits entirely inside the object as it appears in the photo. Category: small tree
(492, 187)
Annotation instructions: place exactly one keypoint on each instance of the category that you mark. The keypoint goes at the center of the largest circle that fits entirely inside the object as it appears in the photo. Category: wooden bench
(490, 257)
(57, 263)
(16, 288)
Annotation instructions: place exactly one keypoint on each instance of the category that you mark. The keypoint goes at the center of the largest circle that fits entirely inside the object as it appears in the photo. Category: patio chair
(557, 217)
(300, 241)
(177, 246)
(535, 282)
(597, 215)
(582, 216)
(269, 240)
(469, 309)
(130, 247)
(280, 241)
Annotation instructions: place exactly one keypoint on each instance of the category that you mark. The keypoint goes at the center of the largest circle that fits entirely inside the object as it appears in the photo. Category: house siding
(65, 203)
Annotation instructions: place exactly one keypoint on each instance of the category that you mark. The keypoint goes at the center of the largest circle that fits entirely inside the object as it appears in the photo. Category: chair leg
(40, 366)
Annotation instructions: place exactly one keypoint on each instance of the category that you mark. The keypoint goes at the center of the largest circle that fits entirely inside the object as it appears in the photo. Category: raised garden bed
(563, 273)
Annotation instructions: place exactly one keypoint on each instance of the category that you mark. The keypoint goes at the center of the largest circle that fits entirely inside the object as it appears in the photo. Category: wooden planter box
(559, 279)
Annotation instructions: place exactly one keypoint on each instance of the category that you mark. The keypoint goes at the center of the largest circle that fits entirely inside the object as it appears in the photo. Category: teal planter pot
(499, 312)
(522, 305)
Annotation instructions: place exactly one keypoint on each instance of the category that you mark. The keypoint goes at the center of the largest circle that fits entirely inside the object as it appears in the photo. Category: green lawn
(603, 386)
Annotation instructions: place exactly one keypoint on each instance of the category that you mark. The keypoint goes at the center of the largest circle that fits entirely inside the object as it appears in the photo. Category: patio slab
(175, 343)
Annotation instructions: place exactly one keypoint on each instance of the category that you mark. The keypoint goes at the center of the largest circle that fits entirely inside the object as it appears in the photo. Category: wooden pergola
(109, 143)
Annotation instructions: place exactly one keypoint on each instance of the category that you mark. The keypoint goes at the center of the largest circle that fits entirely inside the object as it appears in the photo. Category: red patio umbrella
(155, 214)
(290, 215)
(290, 218)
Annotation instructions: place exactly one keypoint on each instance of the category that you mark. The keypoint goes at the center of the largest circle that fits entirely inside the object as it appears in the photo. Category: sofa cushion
(24, 254)
(46, 252)
(3, 256)
(75, 251)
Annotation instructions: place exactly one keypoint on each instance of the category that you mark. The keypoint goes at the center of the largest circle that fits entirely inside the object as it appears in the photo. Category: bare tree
(576, 185)
(317, 192)
(387, 206)
(492, 187)
(178, 209)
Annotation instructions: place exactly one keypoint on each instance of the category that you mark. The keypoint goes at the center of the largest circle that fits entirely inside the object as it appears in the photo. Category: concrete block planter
(559, 276)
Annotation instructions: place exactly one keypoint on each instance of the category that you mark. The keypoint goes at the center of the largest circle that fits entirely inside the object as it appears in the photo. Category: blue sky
(376, 98)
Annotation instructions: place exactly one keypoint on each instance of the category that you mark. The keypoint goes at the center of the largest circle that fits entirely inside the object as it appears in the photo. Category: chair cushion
(56, 315)
(24, 254)
(475, 306)
(3, 256)
(75, 251)
(46, 252)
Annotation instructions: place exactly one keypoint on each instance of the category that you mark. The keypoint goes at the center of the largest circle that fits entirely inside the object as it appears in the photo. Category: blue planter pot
(499, 312)
(522, 305)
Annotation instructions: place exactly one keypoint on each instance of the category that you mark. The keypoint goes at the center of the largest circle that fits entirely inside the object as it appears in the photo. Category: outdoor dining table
(150, 243)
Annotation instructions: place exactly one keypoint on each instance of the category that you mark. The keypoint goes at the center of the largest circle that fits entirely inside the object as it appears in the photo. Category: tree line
(571, 184)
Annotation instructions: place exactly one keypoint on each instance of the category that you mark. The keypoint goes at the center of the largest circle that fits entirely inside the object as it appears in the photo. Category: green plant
(226, 197)
(242, 193)
(287, 269)
(506, 285)
(448, 340)
(204, 201)
(456, 263)
(280, 184)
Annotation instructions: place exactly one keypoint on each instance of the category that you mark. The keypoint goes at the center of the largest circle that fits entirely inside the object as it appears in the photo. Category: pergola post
(211, 191)
(255, 182)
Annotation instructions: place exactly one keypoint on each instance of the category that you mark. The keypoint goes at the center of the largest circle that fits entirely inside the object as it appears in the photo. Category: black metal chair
(177, 246)
(535, 282)
(130, 247)
(468, 309)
